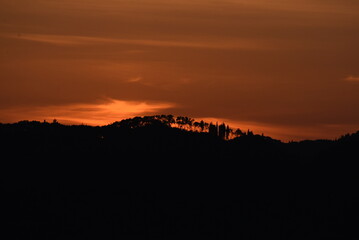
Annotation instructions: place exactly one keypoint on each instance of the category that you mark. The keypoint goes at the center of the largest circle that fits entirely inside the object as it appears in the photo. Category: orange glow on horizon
(90, 114)
(111, 110)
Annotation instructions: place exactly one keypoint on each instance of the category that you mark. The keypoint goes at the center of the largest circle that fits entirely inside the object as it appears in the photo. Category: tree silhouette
(185, 122)
(213, 129)
(228, 132)
(238, 132)
(222, 131)
(197, 126)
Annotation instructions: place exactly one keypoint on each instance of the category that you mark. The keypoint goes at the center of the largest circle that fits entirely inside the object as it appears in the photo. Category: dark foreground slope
(158, 182)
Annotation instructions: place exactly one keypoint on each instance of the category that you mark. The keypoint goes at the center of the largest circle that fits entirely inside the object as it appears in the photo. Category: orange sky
(288, 69)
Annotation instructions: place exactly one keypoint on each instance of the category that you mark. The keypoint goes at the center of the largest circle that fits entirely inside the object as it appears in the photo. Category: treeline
(223, 131)
(166, 135)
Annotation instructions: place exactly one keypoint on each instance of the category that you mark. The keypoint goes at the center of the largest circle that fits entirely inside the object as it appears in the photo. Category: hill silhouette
(172, 178)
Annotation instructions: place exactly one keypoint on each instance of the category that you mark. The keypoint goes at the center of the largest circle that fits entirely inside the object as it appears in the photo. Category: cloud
(135, 79)
(88, 113)
(307, 6)
(115, 6)
(352, 78)
(73, 40)
(60, 39)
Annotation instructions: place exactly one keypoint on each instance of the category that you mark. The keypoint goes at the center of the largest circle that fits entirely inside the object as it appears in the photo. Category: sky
(288, 69)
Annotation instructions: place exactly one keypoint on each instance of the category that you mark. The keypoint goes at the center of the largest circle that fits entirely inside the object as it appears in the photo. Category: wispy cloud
(72, 40)
(114, 6)
(352, 78)
(307, 6)
(135, 79)
(60, 39)
(91, 113)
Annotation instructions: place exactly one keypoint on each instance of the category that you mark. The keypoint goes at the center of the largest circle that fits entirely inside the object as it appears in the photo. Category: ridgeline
(172, 178)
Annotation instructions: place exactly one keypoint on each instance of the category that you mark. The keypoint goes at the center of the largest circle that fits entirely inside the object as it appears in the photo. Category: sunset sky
(288, 69)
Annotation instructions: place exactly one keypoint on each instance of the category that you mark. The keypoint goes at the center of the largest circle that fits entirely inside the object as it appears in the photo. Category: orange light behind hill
(95, 114)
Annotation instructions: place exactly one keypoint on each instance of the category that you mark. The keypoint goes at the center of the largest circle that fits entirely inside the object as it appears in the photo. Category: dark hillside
(145, 178)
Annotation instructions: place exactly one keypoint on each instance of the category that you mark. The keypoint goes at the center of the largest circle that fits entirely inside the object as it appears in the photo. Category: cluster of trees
(222, 131)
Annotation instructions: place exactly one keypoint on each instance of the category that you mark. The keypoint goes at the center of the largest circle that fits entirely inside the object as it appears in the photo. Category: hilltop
(164, 177)
(151, 141)
(163, 135)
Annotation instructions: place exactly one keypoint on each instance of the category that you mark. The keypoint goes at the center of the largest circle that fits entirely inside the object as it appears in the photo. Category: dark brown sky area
(289, 69)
